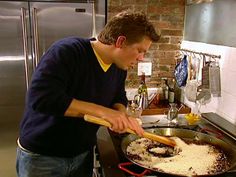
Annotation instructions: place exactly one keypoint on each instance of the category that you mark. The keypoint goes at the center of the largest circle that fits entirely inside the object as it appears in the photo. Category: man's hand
(120, 122)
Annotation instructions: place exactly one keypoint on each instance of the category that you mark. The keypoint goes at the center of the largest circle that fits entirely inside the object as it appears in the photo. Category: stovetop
(221, 124)
(116, 156)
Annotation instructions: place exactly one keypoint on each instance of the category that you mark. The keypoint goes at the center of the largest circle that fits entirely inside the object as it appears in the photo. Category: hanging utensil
(152, 136)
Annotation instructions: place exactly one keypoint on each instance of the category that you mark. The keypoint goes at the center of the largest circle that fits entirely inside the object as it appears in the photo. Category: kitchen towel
(181, 72)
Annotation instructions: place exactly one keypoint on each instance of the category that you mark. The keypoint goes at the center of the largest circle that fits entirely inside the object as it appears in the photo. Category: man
(76, 77)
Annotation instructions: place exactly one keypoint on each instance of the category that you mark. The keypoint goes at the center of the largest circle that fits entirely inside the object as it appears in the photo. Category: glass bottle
(173, 112)
(142, 87)
(142, 93)
(171, 96)
(165, 89)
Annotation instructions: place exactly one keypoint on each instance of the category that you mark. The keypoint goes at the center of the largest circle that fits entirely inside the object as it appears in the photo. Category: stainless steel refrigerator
(27, 29)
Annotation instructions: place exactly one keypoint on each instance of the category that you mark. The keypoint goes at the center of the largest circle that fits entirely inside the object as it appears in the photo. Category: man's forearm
(78, 108)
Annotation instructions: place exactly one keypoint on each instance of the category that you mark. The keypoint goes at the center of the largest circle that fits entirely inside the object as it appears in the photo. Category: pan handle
(232, 169)
(217, 133)
(122, 166)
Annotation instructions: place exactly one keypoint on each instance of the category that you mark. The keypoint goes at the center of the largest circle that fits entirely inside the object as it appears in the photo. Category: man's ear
(120, 42)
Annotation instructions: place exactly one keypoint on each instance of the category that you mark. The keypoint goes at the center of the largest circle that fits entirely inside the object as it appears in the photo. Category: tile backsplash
(225, 105)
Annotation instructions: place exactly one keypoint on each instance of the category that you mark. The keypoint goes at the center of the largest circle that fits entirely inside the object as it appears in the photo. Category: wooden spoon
(152, 136)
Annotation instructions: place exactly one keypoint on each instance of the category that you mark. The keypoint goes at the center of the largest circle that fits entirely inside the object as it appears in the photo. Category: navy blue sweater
(69, 69)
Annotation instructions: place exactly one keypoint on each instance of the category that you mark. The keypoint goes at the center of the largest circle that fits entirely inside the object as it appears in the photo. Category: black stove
(111, 155)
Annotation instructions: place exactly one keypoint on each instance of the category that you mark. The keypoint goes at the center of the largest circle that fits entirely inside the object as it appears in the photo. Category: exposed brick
(169, 47)
(153, 16)
(131, 83)
(167, 61)
(162, 24)
(168, 18)
(164, 40)
(176, 25)
(148, 55)
(154, 46)
(141, 8)
(155, 72)
(166, 74)
(141, 1)
(170, 54)
(132, 75)
(171, 32)
(128, 2)
(159, 10)
(156, 2)
(172, 68)
(114, 3)
(159, 54)
(117, 9)
(147, 59)
(176, 40)
(179, 10)
(172, 18)
(172, 2)
(163, 68)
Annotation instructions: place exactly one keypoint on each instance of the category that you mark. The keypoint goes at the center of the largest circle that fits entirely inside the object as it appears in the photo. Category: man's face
(129, 55)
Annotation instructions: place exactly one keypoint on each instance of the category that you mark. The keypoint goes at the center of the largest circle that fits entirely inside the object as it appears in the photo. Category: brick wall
(168, 18)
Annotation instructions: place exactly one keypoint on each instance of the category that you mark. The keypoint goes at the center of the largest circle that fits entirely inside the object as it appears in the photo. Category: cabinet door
(12, 59)
(58, 20)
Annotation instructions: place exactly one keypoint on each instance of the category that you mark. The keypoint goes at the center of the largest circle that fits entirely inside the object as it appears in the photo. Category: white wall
(225, 105)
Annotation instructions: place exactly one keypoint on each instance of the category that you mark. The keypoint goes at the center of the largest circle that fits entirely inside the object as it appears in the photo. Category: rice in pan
(185, 159)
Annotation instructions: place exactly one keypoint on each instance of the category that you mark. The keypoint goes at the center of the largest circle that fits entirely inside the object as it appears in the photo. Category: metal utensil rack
(188, 51)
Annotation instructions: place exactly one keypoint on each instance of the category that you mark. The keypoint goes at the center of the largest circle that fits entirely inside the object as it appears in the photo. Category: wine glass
(133, 110)
(172, 113)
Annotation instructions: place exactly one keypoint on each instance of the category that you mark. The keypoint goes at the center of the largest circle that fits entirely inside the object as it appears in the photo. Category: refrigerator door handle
(36, 38)
(94, 33)
(25, 45)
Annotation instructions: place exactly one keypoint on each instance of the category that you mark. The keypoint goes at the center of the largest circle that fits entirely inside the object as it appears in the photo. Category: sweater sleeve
(48, 91)
(121, 93)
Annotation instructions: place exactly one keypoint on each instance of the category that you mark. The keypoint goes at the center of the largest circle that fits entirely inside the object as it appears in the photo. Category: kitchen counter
(163, 107)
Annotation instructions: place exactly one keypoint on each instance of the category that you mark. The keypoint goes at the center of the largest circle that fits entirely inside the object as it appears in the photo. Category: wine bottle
(165, 89)
(171, 91)
(142, 87)
(143, 93)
